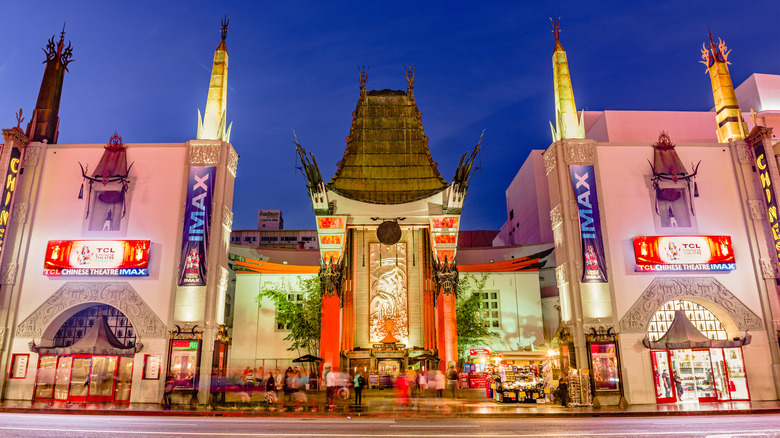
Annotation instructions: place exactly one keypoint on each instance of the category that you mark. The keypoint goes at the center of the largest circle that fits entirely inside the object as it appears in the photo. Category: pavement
(470, 403)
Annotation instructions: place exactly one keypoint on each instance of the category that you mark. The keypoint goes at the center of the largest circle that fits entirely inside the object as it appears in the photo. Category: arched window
(76, 326)
(699, 316)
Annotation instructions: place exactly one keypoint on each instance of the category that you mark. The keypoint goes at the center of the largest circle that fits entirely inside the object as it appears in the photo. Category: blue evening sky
(141, 68)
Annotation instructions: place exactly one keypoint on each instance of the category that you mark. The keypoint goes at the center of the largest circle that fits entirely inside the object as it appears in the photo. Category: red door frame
(673, 398)
(80, 398)
(744, 368)
(102, 398)
(712, 377)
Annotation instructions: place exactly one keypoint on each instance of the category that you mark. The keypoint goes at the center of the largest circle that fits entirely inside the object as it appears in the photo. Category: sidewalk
(381, 403)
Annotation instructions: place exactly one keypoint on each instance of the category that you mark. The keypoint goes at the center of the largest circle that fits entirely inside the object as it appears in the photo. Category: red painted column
(447, 334)
(330, 330)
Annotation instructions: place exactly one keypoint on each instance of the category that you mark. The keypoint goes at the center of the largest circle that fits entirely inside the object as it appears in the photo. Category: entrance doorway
(705, 375)
(84, 378)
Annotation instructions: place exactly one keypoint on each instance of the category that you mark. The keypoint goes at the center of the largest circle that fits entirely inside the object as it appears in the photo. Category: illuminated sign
(684, 253)
(478, 351)
(766, 186)
(123, 258)
(186, 345)
(8, 193)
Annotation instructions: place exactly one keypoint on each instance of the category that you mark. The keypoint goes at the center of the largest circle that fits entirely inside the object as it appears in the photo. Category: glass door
(124, 379)
(662, 376)
(719, 374)
(101, 379)
(683, 376)
(62, 378)
(702, 371)
(44, 379)
(737, 379)
(79, 378)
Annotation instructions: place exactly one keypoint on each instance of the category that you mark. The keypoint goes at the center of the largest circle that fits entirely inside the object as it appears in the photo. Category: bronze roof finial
(363, 72)
(409, 76)
(19, 119)
(556, 24)
(225, 22)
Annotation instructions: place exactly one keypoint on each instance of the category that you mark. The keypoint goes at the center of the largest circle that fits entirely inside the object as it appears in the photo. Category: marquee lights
(771, 202)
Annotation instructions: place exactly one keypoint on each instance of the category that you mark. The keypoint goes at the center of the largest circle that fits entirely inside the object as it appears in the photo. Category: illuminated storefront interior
(693, 360)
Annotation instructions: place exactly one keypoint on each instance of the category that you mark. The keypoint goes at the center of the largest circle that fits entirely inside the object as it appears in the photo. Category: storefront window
(738, 387)
(79, 378)
(605, 367)
(124, 379)
(101, 383)
(184, 362)
(62, 382)
(44, 384)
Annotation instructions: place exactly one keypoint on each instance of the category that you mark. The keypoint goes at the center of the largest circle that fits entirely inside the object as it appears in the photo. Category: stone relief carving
(767, 267)
(562, 274)
(556, 216)
(744, 154)
(549, 159)
(665, 289)
(8, 273)
(118, 294)
(31, 154)
(19, 214)
(3, 331)
(223, 279)
(756, 209)
(204, 154)
(227, 217)
(232, 161)
(579, 153)
(16, 136)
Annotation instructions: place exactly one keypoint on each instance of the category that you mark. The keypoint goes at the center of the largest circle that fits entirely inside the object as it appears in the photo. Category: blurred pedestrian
(168, 390)
(440, 383)
(359, 383)
(330, 385)
(402, 390)
(422, 383)
(270, 389)
(452, 378)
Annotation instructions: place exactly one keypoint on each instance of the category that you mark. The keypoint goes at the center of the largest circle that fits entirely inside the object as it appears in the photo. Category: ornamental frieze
(117, 294)
(16, 136)
(8, 273)
(232, 161)
(227, 217)
(549, 159)
(556, 216)
(767, 267)
(579, 153)
(19, 213)
(744, 155)
(665, 289)
(756, 209)
(562, 274)
(31, 154)
(204, 154)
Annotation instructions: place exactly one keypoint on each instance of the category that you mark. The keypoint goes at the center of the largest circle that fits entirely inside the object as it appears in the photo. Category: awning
(99, 339)
(683, 334)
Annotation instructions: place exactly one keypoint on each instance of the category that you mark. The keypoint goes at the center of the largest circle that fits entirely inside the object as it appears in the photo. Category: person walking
(270, 389)
(249, 381)
(168, 390)
(440, 384)
(359, 383)
(330, 386)
(563, 390)
(422, 384)
(452, 378)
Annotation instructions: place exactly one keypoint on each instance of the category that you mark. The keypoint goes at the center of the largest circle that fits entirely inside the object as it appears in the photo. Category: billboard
(684, 253)
(97, 258)
(197, 226)
(594, 263)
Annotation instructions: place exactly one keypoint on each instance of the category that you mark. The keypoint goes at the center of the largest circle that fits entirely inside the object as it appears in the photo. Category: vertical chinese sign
(197, 225)
(594, 266)
(768, 194)
(8, 193)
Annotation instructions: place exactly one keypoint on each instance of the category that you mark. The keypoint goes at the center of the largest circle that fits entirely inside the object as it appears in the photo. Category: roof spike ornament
(213, 125)
(409, 69)
(363, 75)
(44, 125)
(568, 124)
(728, 116)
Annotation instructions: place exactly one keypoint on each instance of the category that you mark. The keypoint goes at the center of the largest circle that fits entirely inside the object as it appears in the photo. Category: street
(40, 425)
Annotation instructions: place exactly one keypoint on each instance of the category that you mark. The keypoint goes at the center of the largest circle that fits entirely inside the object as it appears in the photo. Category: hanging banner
(594, 266)
(197, 225)
(8, 193)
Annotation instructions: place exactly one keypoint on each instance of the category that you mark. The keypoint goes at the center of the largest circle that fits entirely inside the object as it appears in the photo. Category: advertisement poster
(197, 225)
(594, 266)
(683, 253)
(96, 258)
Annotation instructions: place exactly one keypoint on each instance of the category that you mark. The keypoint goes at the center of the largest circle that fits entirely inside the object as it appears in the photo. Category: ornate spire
(213, 125)
(45, 119)
(727, 112)
(567, 124)
(409, 80)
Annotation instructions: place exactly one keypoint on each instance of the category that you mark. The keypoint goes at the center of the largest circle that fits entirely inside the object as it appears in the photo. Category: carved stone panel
(31, 154)
(556, 216)
(19, 213)
(562, 274)
(232, 164)
(204, 154)
(8, 273)
(549, 159)
(227, 217)
(756, 209)
(117, 294)
(744, 155)
(767, 267)
(665, 289)
(579, 153)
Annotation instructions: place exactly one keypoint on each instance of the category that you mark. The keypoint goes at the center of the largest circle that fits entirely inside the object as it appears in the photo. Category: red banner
(97, 258)
(684, 253)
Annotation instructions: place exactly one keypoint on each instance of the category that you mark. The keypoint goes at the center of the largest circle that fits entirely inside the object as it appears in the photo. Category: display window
(699, 375)
(84, 378)
(604, 361)
(184, 359)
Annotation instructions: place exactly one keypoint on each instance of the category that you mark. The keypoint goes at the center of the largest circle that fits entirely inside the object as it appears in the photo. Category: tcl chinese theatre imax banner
(197, 225)
(684, 253)
(123, 258)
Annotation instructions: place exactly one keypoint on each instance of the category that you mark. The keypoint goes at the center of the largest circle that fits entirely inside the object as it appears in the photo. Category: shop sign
(479, 351)
(185, 345)
(771, 202)
(97, 258)
(388, 346)
(8, 193)
(583, 181)
(683, 253)
(197, 226)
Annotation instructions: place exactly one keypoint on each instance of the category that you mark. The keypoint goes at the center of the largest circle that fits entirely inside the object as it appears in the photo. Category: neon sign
(97, 258)
(771, 202)
(683, 253)
(8, 192)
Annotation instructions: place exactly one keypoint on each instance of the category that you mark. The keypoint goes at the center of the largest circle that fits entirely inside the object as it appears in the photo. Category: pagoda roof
(99, 339)
(683, 334)
(387, 160)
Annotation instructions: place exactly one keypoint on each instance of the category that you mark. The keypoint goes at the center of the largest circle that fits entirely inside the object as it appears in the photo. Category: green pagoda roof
(387, 160)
